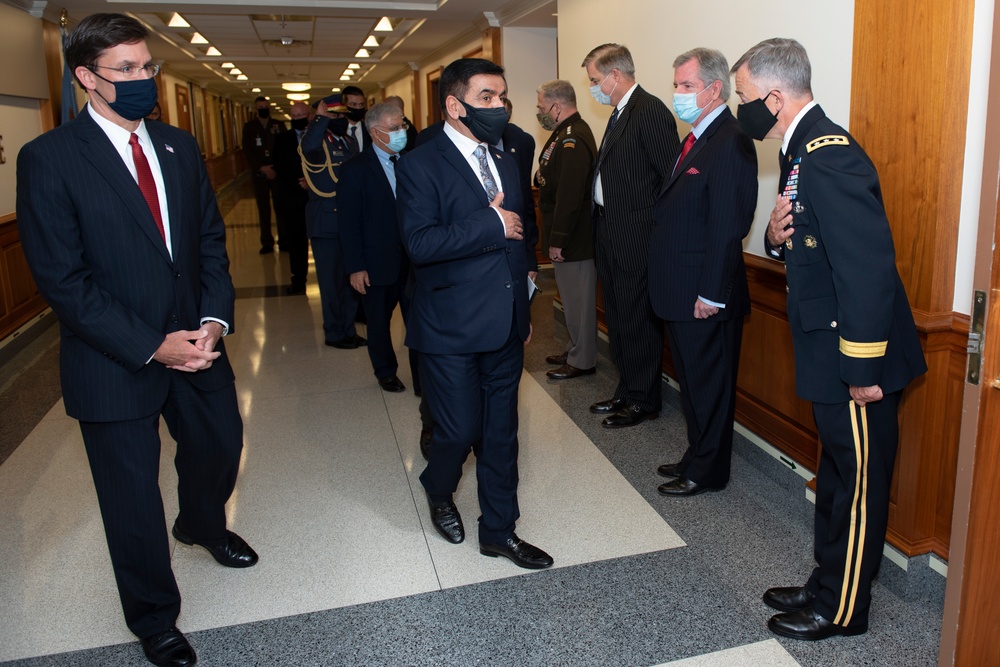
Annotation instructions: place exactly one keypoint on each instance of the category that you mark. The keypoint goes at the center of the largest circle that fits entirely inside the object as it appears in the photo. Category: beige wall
(657, 32)
(401, 87)
(22, 55)
(432, 66)
(20, 122)
(529, 56)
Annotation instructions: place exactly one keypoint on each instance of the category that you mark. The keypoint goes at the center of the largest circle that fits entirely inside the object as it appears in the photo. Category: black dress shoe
(425, 442)
(296, 289)
(671, 470)
(682, 486)
(360, 340)
(557, 359)
(447, 520)
(613, 405)
(629, 416)
(808, 625)
(788, 599)
(266, 251)
(234, 553)
(567, 372)
(169, 649)
(345, 343)
(392, 384)
(518, 552)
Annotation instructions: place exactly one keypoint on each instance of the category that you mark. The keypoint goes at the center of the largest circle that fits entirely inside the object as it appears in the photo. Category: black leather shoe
(360, 340)
(671, 470)
(518, 552)
(296, 289)
(567, 372)
(234, 553)
(345, 343)
(613, 405)
(808, 625)
(447, 521)
(682, 486)
(629, 416)
(425, 442)
(266, 251)
(557, 359)
(169, 649)
(392, 384)
(788, 599)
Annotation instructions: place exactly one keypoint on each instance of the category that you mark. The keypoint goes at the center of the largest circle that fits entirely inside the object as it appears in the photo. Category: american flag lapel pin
(169, 148)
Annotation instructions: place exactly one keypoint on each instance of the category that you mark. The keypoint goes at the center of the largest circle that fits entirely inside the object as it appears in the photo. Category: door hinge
(974, 347)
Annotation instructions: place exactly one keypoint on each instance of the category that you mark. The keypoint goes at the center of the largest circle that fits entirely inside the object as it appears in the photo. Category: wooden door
(183, 98)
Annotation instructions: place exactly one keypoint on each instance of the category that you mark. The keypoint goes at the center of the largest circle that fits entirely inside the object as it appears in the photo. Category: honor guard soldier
(856, 347)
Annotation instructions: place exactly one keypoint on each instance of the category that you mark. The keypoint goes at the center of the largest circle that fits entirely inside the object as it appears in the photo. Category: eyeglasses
(133, 71)
(403, 126)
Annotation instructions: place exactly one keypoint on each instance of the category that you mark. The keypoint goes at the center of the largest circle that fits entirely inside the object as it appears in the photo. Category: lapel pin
(169, 148)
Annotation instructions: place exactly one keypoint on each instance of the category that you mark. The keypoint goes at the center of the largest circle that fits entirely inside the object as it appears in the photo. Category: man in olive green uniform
(564, 176)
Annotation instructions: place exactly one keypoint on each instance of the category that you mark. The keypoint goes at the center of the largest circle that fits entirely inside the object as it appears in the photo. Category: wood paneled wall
(19, 298)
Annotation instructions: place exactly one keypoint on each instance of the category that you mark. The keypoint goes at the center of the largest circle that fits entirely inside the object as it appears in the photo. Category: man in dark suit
(258, 146)
(294, 195)
(469, 318)
(369, 234)
(357, 131)
(697, 279)
(856, 347)
(324, 149)
(636, 156)
(124, 239)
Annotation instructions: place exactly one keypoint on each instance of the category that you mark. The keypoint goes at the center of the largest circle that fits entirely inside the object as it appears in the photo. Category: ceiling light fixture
(227, 65)
(384, 25)
(177, 21)
(371, 41)
(345, 78)
(198, 39)
(348, 72)
(242, 77)
(297, 97)
(255, 90)
(362, 53)
(335, 90)
(296, 87)
(236, 71)
(354, 66)
(212, 51)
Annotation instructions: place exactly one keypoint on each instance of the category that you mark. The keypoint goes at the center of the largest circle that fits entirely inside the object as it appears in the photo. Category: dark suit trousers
(262, 191)
(125, 462)
(338, 299)
(635, 333)
(473, 398)
(380, 302)
(852, 504)
(293, 234)
(706, 356)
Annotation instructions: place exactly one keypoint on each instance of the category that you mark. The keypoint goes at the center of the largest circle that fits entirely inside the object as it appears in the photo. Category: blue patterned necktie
(485, 174)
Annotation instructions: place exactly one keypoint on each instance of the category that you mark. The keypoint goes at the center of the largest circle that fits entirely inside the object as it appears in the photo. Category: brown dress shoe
(557, 359)
(568, 372)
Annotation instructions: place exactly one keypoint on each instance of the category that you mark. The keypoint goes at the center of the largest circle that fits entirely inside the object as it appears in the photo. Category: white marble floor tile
(762, 654)
(574, 502)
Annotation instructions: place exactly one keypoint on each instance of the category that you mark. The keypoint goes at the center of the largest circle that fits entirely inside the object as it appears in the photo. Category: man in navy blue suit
(369, 233)
(697, 279)
(469, 318)
(124, 239)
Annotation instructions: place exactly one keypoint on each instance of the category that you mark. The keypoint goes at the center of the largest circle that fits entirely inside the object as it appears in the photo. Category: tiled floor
(349, 573)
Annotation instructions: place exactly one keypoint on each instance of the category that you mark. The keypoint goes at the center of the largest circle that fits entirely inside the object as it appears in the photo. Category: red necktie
(688, 143)
(146, 183)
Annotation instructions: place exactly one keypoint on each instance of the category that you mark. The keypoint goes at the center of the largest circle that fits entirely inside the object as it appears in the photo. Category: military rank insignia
(791, 190)
(810, 242)
(828, 140)
(547, 155)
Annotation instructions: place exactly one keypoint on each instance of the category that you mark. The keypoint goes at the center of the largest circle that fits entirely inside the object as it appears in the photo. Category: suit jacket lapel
(697, 148)
(171, 182)
(378, 173)
(461, 165)
(98, 150)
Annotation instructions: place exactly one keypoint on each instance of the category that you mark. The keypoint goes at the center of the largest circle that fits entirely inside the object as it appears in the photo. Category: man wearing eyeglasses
(124, 238)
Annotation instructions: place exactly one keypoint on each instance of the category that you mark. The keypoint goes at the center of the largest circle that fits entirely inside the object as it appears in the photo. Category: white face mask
(600, 96)
(686, 106)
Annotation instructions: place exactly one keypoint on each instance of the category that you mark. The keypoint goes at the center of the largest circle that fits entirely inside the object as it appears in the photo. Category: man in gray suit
(636, 156)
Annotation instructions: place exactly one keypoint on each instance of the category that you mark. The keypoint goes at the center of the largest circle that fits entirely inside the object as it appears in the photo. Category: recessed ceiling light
(255, 90)
(362, 53)
(298, 97)
(227, 65)
(296, 87)
(198, 39)
(384, 25)
(236, 71)
(335, 90)
(212, 51)
(348, 72)
(354, 66)
(242, 77)
(177, 21)
(345, 78)
(371, 41)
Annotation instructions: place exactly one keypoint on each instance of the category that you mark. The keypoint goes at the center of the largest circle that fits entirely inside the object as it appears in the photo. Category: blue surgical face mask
(686, 106)
(134, 99)
(600, 96)
(397, 140)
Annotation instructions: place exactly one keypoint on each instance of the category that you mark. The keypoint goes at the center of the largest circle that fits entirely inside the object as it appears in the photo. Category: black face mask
(133, 99)
(338, 126)
(356, 115)
(300, 123)
(485, 124)
(756, 120)
(264, 113)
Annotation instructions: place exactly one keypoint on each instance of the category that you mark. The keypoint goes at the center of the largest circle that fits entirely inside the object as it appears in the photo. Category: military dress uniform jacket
(322, 154)
(258, 142)
(565, 172)
(850, 319)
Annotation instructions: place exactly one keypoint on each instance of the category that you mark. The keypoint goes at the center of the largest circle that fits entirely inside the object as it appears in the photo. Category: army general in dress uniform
(565, 171)
(856, 347)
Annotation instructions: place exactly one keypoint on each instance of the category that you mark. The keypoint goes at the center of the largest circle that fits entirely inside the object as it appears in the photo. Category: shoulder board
(828, 140)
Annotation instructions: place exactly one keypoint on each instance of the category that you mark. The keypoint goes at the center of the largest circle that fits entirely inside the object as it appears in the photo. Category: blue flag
(68, 89)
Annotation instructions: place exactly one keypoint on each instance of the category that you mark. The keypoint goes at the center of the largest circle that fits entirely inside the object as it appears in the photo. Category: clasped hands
(190, 351)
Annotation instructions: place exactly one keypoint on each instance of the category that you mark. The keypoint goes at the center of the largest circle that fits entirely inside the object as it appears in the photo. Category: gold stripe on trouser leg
(856, 535)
